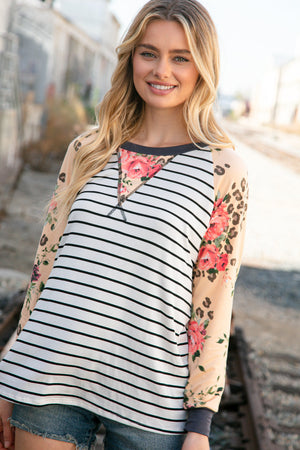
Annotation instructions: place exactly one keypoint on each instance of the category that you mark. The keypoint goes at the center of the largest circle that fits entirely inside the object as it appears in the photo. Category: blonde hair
(121, 112)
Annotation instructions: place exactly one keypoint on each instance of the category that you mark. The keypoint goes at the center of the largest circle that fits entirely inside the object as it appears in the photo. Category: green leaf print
(195, 355)
(218, 241)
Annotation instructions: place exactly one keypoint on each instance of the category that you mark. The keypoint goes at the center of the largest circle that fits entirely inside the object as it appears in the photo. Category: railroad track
(279, 376)
(260, 408)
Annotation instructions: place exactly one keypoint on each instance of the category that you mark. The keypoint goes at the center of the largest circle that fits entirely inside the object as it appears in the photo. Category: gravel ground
(266, 304)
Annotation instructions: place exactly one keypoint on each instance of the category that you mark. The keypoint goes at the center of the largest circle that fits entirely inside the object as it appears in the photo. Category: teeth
(161, 87)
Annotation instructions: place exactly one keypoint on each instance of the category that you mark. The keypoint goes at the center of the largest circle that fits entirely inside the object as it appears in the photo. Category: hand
(7, 435)
(195, 441)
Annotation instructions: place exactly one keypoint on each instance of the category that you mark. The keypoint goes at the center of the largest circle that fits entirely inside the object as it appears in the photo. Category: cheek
(139, 68)
(137, 81)
(138, 78)
(191, 80)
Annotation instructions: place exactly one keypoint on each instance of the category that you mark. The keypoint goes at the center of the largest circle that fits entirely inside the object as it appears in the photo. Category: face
(164, 72)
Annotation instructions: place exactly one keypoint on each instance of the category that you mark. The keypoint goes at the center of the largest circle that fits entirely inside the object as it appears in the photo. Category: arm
(43, 263)
(48, 243)
(215, 273)
(52, 232)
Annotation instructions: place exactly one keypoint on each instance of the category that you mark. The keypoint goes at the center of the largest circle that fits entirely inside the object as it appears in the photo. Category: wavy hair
(121, 113)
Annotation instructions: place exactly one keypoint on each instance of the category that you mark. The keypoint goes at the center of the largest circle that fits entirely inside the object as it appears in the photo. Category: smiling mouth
(162, 87)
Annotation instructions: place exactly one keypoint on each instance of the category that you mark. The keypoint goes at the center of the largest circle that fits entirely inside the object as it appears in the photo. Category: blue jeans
(79, 426)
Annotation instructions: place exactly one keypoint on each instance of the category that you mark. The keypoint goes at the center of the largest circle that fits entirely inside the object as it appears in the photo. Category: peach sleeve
(215, 274)
(48, 244)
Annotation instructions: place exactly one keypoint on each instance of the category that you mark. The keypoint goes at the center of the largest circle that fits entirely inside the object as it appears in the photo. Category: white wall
(289, 93)
(276, 98)
(6, 7)
(93, 16)
(4, 14)
(79, 58)
(34, 25)
(264, 97)
(9, 107)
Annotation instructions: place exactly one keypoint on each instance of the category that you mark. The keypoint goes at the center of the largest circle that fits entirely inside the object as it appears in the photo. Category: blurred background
(56, 61)
(58, 55)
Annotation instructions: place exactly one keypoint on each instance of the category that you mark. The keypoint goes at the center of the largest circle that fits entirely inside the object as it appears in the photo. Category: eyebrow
(151, 47)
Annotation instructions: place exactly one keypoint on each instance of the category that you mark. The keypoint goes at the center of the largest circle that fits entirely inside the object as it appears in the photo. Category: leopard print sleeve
(215, 274)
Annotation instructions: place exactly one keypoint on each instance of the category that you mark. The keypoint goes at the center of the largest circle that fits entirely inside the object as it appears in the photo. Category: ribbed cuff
(199, 420)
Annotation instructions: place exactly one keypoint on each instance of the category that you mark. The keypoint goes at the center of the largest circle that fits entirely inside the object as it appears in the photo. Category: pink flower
(123, 189)
(218, 222)
(136, 167)
(53, 205)
(153, 170)
(196, 336)
(208, 256)
(35, 273)
(126, 156)
(222, 262)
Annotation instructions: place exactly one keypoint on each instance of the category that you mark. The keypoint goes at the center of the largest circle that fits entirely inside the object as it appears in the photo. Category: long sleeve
(48, 244)
(215, 273)
(116, 306)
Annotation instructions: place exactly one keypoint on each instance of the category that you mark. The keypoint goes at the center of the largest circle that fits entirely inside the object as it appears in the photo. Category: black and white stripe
(109, 331)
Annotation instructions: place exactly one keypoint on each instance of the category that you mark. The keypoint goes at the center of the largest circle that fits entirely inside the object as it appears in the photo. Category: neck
(162, 128)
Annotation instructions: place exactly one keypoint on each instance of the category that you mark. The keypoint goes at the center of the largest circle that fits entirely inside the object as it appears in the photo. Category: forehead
(165, 33)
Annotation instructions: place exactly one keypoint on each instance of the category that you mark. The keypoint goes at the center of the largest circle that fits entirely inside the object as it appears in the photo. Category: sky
(253, 36)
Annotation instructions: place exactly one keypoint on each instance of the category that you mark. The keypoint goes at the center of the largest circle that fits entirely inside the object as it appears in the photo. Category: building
(95, 19)
(44, 53)
(81, 60)
(49, 52)
(276, 99)
(57, 56)
(10, 100)
(287, 106)
(92, 57)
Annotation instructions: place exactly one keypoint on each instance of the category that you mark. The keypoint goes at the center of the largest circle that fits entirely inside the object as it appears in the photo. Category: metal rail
(241, 423)
(254, 421)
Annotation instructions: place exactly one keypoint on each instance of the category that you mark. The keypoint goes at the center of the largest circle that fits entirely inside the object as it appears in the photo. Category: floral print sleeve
(215, 273)
(48, 243)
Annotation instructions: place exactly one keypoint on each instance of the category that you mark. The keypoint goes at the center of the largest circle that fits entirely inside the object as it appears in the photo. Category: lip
(158, 91)
(160, 83)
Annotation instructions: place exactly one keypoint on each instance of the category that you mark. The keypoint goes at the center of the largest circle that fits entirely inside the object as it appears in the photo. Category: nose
(162, 69)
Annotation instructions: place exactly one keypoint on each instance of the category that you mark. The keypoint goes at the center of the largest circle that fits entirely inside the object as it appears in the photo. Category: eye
(180, 59)
(148, 54)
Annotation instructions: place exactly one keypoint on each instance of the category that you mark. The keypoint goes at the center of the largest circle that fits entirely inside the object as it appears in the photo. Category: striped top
(134, 300)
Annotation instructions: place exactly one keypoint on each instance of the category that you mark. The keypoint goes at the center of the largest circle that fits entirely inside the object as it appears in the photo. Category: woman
(132, 323)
